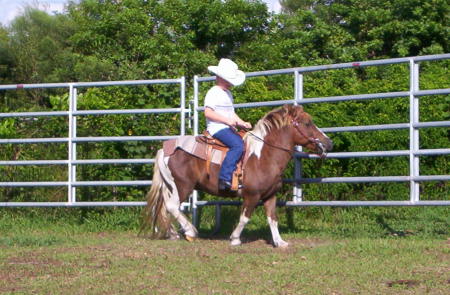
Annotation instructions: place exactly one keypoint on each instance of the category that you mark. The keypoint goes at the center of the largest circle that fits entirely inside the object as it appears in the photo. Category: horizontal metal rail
(123, 138)
(340, 155)
(87, 139)
(331, 203)
(34, 162)
(358, 64)
(369, 179)
(157, 138)
(76, 183)
(77, 162)
(89, 84)
(128, 112)
(344, 155)
(240, 105)
(72, 204)
(34, 114)
(386, 127)
(235, 203)
(113, 183)
(113, 161)
(341, 98)
(34, 184)
(93, 112)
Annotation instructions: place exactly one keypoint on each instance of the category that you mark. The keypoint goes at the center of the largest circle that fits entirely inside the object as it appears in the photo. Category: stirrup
(226, 186)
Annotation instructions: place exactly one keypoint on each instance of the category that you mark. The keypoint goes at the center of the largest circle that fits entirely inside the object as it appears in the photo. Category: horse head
(306, 133)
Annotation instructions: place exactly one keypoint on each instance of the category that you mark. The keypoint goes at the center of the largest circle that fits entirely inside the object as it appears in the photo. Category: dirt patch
(16, 270)
(33, 260)
(406, 283)
(10, 282)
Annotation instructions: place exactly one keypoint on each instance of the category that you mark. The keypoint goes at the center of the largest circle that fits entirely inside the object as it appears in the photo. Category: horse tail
(156, 221)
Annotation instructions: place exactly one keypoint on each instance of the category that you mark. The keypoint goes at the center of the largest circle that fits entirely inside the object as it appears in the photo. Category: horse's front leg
(272, 219)
(247, 210)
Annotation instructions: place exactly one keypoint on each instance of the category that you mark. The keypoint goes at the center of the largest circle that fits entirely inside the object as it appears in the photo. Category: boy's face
(223, 83)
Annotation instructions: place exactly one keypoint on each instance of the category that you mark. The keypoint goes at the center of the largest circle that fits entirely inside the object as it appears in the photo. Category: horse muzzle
(324, 146)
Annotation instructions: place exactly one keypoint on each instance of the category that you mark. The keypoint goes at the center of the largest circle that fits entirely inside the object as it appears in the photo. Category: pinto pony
(270, 146)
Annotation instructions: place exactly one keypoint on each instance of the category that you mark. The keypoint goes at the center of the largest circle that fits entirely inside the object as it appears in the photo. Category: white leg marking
(277, 240)
(236, 235)
(172, 201)
(173, 235)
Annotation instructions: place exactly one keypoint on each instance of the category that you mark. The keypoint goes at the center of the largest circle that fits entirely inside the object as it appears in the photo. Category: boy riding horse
(221, 119)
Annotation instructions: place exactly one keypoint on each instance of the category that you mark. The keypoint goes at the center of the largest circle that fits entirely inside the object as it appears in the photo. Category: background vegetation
(150, 39)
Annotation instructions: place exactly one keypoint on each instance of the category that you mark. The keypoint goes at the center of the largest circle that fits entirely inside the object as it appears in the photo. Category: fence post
(72, 146)
(194, 198)
(298, 96)
(413, 131)
(183, 105)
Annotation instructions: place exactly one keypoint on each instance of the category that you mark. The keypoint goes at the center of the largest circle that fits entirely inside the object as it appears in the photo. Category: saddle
(215, 144)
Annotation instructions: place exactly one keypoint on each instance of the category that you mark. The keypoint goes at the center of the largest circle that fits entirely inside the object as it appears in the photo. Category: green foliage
(7, 128)
(159, 39)
(383, 28)
(137, 39)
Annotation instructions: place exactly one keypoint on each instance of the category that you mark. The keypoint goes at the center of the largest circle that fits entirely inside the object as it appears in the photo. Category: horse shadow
(228, 221)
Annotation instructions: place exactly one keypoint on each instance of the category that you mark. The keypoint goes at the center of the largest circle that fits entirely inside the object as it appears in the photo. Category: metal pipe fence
(72, 140)
(413, 125)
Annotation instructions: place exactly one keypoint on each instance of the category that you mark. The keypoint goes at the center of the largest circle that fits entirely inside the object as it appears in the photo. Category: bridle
(313, 140)
(296, 125)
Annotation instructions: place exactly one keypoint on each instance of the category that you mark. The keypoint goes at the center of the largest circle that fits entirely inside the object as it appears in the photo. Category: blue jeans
(232, 140)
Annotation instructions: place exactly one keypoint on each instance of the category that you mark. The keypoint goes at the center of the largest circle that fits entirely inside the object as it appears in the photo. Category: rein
(271, 145)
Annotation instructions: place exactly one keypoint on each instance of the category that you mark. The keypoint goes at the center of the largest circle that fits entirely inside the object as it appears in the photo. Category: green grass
(332, 251)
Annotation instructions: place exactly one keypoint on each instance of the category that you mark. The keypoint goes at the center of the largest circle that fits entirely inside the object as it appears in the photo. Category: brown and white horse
(270, 144)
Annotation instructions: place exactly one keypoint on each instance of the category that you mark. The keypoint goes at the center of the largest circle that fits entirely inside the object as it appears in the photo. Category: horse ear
(294, 110)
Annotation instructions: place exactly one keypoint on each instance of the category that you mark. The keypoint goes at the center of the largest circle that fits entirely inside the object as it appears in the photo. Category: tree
(292, 6)
(40, 45)
(165, 38)
(385, 28)
(6, 57)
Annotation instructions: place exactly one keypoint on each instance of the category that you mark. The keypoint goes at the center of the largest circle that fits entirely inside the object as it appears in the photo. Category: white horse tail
(156, 221)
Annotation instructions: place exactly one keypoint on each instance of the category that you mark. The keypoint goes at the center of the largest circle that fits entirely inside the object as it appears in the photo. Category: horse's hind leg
(247, 210)
(272, 219)
(172, 203)
(173, 206)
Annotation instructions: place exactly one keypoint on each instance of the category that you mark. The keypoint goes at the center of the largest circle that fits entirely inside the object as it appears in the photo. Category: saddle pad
(191, 146)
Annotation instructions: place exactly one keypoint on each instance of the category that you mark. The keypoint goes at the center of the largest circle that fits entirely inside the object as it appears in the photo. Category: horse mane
(275, 119)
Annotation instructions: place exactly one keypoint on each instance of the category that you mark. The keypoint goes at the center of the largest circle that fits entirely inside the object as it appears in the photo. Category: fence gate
(414, 125)
(72, 140)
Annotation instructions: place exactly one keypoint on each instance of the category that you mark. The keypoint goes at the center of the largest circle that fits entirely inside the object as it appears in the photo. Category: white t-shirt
(221, 101)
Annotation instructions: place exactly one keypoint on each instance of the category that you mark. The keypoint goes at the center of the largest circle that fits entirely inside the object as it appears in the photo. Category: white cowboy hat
(228, 70)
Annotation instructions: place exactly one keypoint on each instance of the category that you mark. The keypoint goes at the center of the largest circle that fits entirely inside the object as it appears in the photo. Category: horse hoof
(282, 245)
(235, 242)
(174, 237)
(190, 238)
